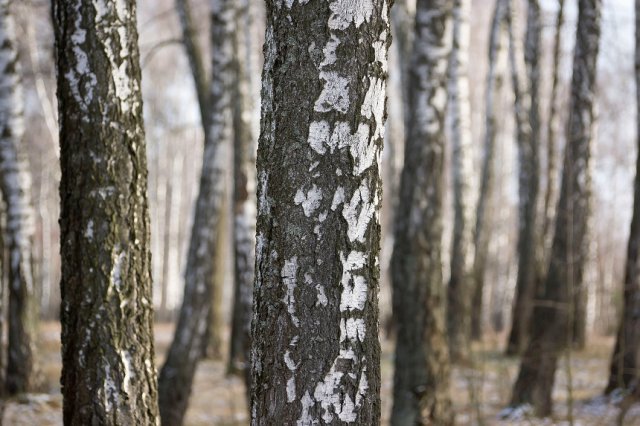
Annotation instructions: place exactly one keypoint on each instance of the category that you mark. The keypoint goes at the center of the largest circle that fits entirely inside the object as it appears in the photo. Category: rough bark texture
(244, 211)
(188, 343)
(421, 381)
(552, 315)
(527, 118)
(318, 233)
(624, 370)
(108, 373)
(460, 289)
(15, 183)
(482, 231)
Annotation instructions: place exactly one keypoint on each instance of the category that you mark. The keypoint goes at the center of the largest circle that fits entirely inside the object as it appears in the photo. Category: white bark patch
(318, 136)
(344, 12)
(358, 213)
(338, 198)
(288, 274)
(118, 258)
(81, 80)
(373, 106)
(88, 233)
(125, 358)
(305, 418)
(334, 95)
(329, 51)
(310, 201)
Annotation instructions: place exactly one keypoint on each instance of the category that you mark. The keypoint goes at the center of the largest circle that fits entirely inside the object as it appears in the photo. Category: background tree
(318, 234)
(15, 182)
(552, 319)
(421, 380)
(108, 374)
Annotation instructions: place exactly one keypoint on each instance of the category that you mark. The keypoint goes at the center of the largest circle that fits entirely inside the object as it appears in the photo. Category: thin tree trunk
(318, 233)
(108, 373)
(460, 289)
(624, 371)
(421, 381)
(15, 182)
(527, 117)
(552, 316)
(482, 227)
(176, 376)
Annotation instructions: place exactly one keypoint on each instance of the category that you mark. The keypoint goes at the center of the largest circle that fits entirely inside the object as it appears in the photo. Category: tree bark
(108, 373)
(527, 118)
(552, 318)
(482, 226)
(176, 376)
(421, 381)
(460, 289)
(624, 369)
(318, 233)
(15, 182)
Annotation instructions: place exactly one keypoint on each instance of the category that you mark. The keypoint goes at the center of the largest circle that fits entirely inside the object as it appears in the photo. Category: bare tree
(318, 233)
(108, 374)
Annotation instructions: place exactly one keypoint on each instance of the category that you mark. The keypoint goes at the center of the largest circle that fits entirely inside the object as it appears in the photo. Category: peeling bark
(318, 233)
(552, 317)
(108, 373)
(176, 376)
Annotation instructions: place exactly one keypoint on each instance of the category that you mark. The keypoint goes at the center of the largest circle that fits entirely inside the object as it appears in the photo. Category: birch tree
(527, 118)
(487, 175)
(187, 347)
(623, 370)
(15, 182)
(108, 373)
(460, 289)
(552, 318)
(318, 233)
(421, 381)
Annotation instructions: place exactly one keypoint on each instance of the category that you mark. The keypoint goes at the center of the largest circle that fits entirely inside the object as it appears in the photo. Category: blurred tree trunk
(527, 118)
(460, 289)
(15, 182)
(108, 374)
(421, 381)
(187, 347)
(552, 318)
(315, 352)
(482, 226)
(624, 371)
(244, 211)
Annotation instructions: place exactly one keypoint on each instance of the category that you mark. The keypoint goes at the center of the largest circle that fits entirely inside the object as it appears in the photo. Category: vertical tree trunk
(623, 371)
(527, 117)
(15, 183)
(482, 226)
(421, 381)
(108, 373)
(176, 376)
(244, 200)
(318, 233)
(460, 289)
(552, 314)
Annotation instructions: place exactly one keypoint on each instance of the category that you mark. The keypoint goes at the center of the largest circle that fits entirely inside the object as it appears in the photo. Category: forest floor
(480, 392)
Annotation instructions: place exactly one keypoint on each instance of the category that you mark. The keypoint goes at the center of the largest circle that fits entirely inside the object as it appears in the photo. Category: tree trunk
(623, 372)
(421, 381)
(15, 182)
(244, 200)
(552, 318)
(527, 118)
(482, 226)
(176, 376)
(460, 289)
(318, 233)
(108, 373)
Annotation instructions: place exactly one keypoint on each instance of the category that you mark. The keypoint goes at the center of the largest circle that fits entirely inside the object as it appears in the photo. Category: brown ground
(220, 400)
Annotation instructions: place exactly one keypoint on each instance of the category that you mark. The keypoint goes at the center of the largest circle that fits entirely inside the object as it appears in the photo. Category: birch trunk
(108, 373)
(482, 226)
(527, 118)
(623, 371)
(318, 233)
(552, 317)
(176, 376)
(460, 289)
(15, 183)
